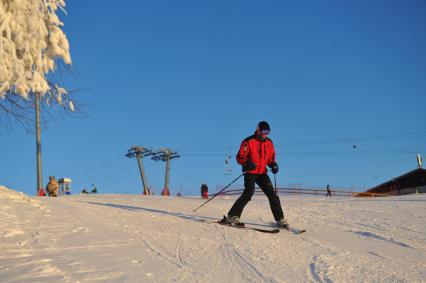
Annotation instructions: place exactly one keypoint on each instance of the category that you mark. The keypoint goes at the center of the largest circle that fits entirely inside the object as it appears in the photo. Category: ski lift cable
(108, 172)
(360, 139)
(114, 181)
(213, 149)
(101, 166)
(357, 152)
(352, 152)
(118, 175)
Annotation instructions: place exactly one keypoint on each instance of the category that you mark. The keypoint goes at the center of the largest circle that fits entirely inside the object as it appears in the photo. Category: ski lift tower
(140, 152)
(165, 154)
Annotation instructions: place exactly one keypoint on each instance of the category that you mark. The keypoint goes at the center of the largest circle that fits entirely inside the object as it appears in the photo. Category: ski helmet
(263, 126)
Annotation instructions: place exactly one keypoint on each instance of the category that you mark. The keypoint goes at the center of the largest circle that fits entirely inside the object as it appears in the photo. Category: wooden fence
(314, 192)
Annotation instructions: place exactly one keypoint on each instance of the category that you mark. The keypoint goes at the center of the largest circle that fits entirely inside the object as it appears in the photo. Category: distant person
(204, 191)
(94, 190)
(178, 194)
(52, 187)
(256, 152)
(328, 191)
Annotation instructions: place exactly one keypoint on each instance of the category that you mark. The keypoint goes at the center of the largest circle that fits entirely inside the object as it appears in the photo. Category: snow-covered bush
(31, 43)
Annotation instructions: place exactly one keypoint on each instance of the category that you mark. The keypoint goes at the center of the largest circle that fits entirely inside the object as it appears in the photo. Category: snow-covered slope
(129, 238)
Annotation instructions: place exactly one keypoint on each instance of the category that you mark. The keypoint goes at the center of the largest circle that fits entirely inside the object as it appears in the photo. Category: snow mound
(17, 197)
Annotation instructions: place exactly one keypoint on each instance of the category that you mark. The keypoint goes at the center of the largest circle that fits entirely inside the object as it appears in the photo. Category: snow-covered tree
(32, 43)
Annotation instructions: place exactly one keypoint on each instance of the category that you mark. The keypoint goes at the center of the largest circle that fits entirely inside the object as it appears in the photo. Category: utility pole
(165, 154)
(38, 146)
(140, 152)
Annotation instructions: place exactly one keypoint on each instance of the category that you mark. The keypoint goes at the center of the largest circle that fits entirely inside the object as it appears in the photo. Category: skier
(204, 191)
(256, 152)
(328, 191)
(94, 190)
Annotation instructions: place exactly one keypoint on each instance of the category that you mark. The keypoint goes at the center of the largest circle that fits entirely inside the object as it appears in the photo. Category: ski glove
(248, 166)
(274, 168)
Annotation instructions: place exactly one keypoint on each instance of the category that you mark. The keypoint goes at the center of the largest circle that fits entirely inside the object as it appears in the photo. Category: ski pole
(216, 194)
(275, 181)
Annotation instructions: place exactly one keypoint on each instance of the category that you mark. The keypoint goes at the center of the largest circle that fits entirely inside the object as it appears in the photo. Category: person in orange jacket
(256, 152)
(52, 187)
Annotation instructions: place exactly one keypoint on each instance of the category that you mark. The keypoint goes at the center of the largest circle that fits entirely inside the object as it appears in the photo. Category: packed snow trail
(134, 238)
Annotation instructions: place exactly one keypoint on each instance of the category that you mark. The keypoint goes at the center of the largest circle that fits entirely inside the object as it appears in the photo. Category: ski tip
(273, 231)
(293, 230)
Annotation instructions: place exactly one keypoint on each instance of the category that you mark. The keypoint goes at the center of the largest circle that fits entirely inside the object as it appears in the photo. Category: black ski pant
(265, 184)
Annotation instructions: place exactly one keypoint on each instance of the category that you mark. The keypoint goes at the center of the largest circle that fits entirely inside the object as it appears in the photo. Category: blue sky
(197, 76)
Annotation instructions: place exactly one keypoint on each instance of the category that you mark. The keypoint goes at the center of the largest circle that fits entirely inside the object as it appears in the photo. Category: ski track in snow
(163, 254)
(244, 264)
(318, 270)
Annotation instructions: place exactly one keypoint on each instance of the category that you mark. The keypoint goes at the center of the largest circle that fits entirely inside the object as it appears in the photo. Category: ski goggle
(265, 132)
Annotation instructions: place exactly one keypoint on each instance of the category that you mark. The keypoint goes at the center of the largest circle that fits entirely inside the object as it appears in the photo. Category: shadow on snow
(196, 218)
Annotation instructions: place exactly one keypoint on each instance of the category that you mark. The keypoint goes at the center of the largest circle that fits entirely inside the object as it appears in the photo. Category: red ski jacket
(261, 153)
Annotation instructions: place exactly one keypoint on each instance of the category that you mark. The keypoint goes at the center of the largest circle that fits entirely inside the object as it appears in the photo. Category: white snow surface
(135, 238)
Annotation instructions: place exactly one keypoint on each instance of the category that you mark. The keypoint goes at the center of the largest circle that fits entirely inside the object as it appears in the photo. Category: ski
(241, 225)
(293, 230)
(288, 228)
